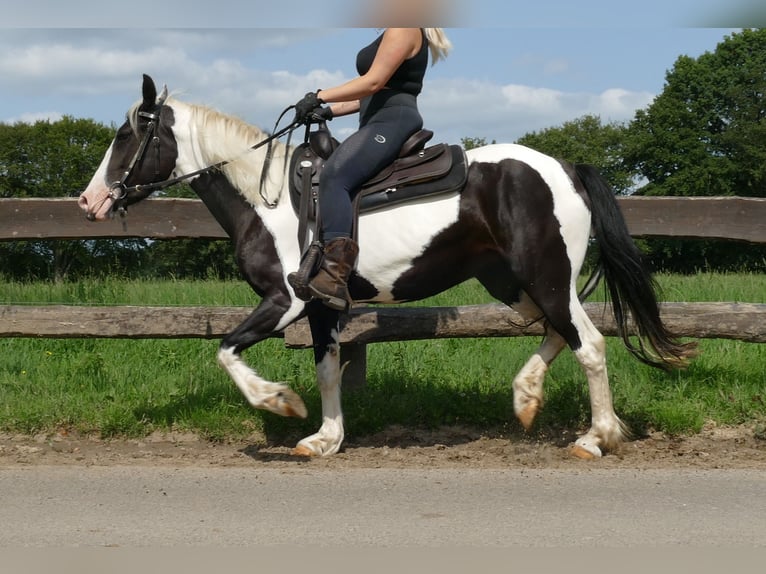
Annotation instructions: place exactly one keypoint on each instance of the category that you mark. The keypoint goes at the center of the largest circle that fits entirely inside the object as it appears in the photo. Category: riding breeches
(361, 156)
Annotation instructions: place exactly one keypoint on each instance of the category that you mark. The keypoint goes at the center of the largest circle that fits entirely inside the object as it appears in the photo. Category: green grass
(131, 388)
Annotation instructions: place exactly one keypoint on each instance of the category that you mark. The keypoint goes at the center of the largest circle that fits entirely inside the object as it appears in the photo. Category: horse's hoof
(583, 453)
(289, 404)
(527, 416)
(301, 450)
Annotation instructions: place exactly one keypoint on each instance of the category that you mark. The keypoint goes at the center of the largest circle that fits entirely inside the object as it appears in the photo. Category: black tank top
(408, 77)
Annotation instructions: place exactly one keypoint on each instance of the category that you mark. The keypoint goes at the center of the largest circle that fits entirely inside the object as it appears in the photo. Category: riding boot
(330, 283)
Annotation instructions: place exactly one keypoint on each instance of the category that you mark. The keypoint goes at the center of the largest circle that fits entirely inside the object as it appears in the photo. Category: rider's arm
(397, 45)
(345, 108)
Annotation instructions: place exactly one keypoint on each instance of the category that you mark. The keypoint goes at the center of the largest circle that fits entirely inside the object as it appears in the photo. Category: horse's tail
(630, 284)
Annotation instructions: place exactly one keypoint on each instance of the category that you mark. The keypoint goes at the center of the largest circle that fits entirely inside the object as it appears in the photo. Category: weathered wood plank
(738, 218)
(62, 219)
(739, 321)
(132, 322)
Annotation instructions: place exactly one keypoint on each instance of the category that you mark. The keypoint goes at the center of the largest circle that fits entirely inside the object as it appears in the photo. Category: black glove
(321, 114)
(305, 106)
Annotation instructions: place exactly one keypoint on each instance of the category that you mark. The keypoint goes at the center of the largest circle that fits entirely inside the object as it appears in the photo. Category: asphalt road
(380, 508)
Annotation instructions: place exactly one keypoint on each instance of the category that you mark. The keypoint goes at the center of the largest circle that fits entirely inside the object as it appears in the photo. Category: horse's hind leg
(567, 323)
(607, 431)
(528, 383)
(324, 331)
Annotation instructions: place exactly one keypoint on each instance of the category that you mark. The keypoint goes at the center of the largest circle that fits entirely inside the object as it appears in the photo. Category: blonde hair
(438, 43)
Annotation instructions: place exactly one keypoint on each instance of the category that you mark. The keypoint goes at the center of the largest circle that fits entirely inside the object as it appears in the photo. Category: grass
(131, 388)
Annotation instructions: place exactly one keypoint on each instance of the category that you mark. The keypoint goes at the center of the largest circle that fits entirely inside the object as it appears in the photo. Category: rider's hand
(306, 106)
(321, 114)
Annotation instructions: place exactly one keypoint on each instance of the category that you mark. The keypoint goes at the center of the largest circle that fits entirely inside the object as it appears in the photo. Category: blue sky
(516, 66)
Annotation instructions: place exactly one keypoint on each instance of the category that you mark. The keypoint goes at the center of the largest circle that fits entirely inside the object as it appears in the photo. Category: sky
(515, 67)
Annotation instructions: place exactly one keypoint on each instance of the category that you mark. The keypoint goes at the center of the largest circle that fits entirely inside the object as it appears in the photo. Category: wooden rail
(734, 218)
(738, 321)
(364, 325)
(62, 219)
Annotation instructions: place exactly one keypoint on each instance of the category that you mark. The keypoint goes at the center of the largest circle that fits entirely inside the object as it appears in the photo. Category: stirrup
(331, 301)
(299, 280)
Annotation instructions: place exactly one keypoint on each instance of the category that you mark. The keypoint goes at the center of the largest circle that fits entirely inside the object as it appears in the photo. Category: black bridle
(118, 191)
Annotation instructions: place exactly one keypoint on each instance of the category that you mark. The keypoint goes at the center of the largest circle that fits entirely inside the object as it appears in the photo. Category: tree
(55, 159)
(704, 136)
(50, 159)
(587, 140)
(470, 143)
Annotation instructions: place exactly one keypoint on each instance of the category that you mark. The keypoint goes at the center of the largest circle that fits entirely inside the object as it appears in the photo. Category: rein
(119, 191)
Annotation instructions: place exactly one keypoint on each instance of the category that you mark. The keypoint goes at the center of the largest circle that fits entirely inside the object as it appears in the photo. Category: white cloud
(458, 108)
(214, 67)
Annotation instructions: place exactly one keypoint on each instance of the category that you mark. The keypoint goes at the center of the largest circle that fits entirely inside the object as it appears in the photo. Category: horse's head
(143, 151)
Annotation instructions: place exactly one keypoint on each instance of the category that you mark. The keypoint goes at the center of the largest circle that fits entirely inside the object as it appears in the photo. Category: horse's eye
(123, 135)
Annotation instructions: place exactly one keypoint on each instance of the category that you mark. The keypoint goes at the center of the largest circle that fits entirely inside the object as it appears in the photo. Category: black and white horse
(521, 226)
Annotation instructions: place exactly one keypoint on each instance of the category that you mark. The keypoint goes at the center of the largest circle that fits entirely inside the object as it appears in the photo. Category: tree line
(703, 135)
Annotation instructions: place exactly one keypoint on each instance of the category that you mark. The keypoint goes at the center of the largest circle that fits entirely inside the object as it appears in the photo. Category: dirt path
(741, 447)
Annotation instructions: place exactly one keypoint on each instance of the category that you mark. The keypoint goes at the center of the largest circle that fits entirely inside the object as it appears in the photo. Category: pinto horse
(521, 225)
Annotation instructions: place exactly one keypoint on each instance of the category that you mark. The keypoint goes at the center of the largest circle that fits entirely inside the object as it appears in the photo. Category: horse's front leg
(271, 315)
(324, 332)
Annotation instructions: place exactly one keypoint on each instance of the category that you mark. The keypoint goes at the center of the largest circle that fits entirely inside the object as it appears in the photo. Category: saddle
(418, 172)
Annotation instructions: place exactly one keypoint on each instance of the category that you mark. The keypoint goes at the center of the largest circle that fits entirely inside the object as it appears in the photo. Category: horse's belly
(391, 239)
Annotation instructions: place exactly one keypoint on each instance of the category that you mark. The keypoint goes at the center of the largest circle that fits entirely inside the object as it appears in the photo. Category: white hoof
(586, 449)
(318, 444)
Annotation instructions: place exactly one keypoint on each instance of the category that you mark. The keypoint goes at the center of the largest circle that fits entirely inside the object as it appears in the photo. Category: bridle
(118, 190)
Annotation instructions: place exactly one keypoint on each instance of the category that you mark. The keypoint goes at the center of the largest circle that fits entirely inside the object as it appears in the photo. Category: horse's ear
(149, 91)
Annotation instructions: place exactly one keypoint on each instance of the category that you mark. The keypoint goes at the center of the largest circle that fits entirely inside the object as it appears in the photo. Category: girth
(418, 172)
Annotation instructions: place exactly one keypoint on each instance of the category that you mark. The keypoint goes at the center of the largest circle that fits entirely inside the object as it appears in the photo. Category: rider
(391, 71)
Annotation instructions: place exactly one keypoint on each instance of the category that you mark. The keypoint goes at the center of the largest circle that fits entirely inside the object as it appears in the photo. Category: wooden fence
(732, 218)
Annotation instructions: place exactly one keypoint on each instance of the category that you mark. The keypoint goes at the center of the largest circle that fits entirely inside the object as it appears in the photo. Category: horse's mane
(223, 137)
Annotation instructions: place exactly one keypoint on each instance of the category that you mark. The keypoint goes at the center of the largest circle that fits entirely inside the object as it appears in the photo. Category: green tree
(56, 159)
(470, 143)
(50, 159)
(588, 140)
(704, 136)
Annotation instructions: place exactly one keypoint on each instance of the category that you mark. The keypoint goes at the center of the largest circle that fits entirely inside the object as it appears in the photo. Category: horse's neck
(207, 138)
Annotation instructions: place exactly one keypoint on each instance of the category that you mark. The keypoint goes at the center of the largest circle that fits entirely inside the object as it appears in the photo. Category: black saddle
(418, 172)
